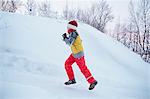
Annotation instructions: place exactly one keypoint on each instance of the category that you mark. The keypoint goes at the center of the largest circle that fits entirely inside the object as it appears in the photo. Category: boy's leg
(68, 67)
(81, 63)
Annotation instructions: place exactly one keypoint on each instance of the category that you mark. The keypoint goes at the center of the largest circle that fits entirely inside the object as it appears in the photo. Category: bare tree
(10, 5)
(117, 31)
(70, 14)
(97, 16)
(137, 30)
(66, 11)
(4, 5)
(134, 20)
(101, 13)
(31, 7)
(45, 8)
(13, 6)
(145, 20)
(140, 18)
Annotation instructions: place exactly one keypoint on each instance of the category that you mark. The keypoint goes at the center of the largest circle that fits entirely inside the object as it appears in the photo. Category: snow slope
(32, 55)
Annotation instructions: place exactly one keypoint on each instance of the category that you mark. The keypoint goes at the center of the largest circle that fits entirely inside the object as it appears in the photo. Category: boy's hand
(64, 36)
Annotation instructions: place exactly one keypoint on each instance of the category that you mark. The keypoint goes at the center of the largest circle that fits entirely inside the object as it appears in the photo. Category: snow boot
(70, 82)
(93, 85)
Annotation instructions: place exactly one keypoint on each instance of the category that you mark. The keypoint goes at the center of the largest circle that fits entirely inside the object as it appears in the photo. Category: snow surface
(32, 56)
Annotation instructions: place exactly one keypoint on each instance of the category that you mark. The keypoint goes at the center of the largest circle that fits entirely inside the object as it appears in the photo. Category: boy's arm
(70, 40)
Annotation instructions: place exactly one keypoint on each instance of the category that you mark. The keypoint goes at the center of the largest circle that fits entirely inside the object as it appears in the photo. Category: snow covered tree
(140, 18)
(100, 15)
(66, 11)
(45, 8)
(137, 29)
(134, 21)
(10, 5)
(145, 20)
(4, 5)
(31, 7)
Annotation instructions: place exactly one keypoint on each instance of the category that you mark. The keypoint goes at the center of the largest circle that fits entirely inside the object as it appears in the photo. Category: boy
(77, 55)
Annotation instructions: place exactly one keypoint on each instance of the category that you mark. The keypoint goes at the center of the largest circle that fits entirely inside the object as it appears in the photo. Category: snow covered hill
(32, 56)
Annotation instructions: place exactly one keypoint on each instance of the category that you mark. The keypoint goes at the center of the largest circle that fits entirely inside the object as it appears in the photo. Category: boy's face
(68, 28)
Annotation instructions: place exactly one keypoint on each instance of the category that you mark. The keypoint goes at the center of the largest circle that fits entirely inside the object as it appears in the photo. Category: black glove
(64, 36)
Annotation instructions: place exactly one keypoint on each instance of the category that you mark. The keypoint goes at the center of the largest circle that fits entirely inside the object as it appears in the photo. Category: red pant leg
(81, 63)
(68, 67)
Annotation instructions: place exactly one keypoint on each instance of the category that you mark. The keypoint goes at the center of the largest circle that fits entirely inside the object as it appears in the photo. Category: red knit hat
(72, 25)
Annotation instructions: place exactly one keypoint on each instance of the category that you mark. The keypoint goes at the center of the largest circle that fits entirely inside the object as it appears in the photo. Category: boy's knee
(83, 68)
(67, 65)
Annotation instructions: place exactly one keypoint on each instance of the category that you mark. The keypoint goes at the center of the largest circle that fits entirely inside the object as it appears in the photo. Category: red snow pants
(81, 63)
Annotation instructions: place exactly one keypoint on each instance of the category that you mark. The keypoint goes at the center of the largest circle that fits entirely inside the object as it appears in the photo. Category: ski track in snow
(25, 74)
